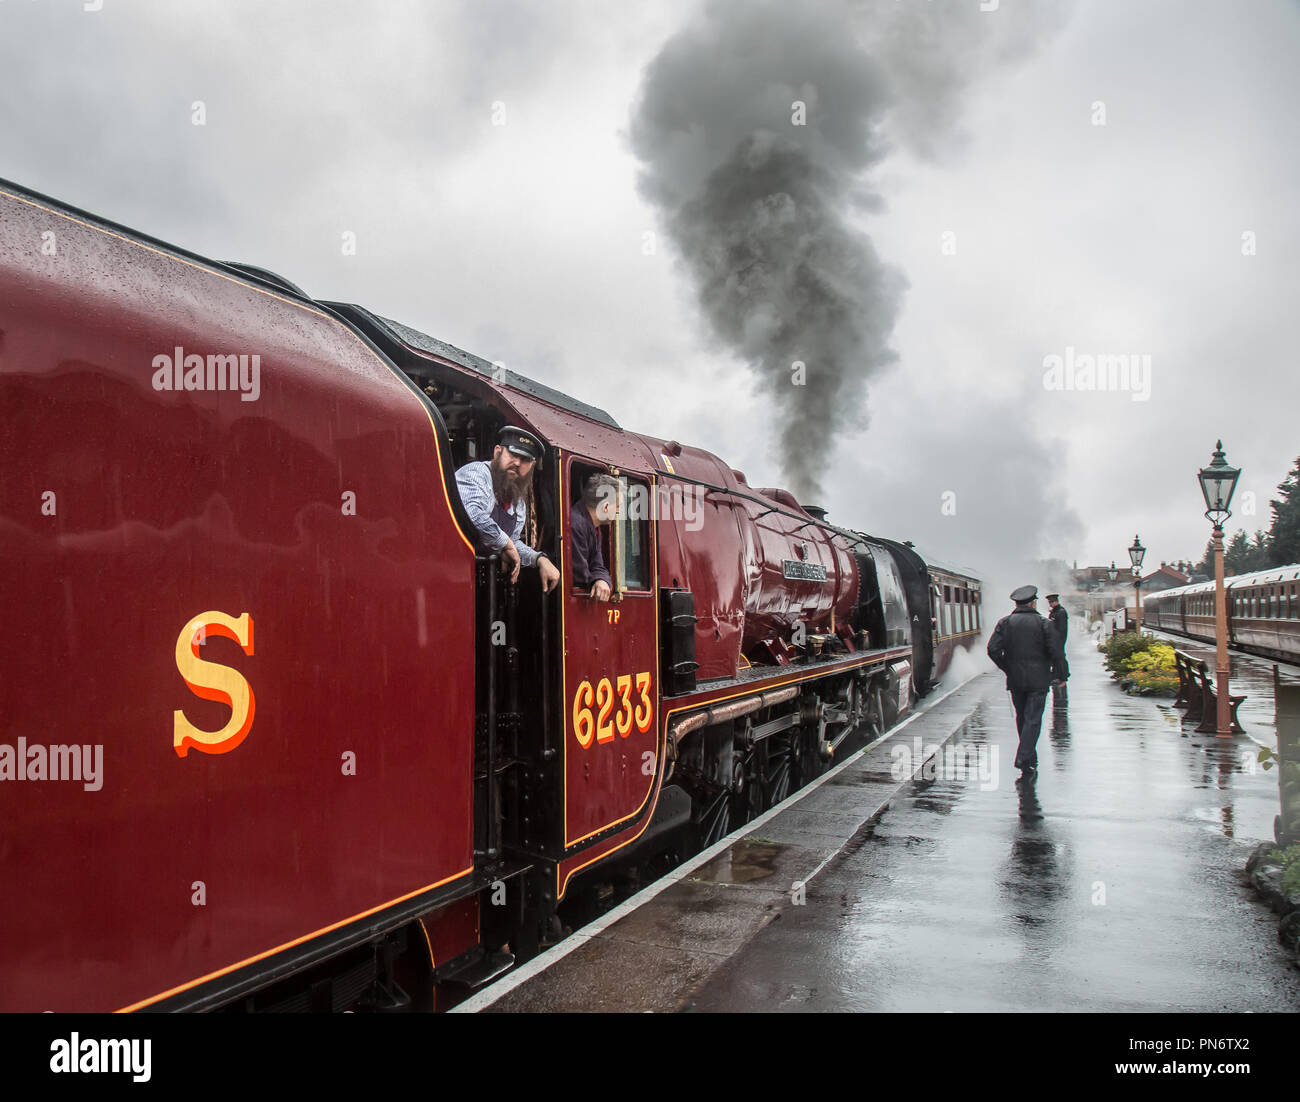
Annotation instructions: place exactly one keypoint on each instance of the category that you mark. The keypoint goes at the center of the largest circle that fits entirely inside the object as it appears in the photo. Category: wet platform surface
(1111, 882)
(1251, 676)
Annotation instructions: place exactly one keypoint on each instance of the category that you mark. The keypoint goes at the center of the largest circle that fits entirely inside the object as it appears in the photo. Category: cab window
(625, 542)
(632, 535)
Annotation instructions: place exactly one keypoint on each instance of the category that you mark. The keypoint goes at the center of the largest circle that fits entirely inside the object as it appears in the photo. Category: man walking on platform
(1029, 652)
(1060, 620)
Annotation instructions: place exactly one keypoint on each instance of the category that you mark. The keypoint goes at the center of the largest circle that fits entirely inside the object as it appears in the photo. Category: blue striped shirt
(496, 524)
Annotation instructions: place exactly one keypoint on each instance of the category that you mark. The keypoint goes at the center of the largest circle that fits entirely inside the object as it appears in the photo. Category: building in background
(1164, 578)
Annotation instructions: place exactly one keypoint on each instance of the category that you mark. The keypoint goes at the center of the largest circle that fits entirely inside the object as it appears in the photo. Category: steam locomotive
(276, 737)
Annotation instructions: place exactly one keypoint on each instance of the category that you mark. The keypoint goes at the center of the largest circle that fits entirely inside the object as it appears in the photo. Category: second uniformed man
(1025, 648)
(1060, 620)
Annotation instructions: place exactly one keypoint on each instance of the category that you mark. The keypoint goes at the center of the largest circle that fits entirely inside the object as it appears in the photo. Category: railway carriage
(955, 598)
(1263, 612)
(277, 737)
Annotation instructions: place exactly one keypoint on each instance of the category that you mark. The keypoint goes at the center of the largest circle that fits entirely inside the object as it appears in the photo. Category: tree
(1206, 565)
(1237, 553)
(1284, 535)
(1257, 558)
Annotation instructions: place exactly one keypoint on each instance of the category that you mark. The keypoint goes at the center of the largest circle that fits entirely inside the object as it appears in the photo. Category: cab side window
(579, 474)
(623, 532)
(632, 535)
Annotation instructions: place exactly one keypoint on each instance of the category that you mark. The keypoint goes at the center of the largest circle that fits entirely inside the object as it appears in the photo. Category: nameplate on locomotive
(803, 571)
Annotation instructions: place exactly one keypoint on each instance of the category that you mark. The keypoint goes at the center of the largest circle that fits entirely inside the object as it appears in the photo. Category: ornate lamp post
(1137, 553)
(1112, 574)
(1218, 480)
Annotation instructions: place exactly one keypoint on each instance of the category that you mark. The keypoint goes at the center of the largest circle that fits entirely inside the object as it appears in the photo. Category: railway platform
(924, 874)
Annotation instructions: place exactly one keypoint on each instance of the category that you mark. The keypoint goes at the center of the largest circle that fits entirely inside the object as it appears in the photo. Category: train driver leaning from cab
(598, 505)
(494, 494)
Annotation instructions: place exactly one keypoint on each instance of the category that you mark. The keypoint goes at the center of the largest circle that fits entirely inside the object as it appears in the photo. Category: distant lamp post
(1218, 480)
(1137, 553)
(1112, 574)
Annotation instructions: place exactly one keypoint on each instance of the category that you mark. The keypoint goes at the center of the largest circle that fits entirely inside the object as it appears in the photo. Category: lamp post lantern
(1136, 554)
(1218, 480)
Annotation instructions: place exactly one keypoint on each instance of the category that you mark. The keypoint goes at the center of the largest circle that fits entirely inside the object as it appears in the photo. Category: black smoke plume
(757, 125)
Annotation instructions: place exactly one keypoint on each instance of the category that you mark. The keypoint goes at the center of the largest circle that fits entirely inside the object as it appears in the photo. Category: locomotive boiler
(339, 761)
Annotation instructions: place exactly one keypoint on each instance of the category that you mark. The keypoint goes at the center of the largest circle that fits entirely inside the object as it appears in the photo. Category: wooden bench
(1209, 724)
(1187, 684)
(1196, 694)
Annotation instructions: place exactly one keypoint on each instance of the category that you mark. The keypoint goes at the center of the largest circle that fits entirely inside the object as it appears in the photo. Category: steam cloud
(760, 207)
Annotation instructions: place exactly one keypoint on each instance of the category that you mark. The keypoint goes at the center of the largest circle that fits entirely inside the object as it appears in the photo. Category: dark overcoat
(1025, 648)
(1060, 621)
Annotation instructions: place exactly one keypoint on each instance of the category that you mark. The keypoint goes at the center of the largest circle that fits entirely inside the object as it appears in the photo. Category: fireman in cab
(495, 492)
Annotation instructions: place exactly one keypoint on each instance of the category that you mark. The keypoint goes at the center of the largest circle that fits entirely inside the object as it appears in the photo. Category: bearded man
(494, 494)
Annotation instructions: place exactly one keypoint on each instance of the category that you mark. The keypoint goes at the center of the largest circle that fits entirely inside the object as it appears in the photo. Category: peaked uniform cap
(521, 442)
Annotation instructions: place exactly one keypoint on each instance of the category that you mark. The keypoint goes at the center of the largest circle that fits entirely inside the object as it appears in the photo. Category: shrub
(1142, 664)
(1119, 648)
(1144, 683)
(1156, 658)
(1289, 859)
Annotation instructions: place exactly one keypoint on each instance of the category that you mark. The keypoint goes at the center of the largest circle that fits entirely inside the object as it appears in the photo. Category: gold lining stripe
(290, 944)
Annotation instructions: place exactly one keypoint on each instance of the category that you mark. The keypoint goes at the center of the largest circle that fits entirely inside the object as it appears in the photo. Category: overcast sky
(1032, 179)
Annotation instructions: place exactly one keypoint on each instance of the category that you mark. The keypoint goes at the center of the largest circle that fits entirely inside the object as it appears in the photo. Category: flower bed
(1142, 664)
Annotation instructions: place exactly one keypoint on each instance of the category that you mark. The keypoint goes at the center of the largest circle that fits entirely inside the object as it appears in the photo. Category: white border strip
(578, 938)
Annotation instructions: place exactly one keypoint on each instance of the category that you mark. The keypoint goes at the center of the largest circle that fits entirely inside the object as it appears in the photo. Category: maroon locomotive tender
(274, 736)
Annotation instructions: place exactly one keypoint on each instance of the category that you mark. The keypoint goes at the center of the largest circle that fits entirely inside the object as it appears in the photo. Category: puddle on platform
(745, 862)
